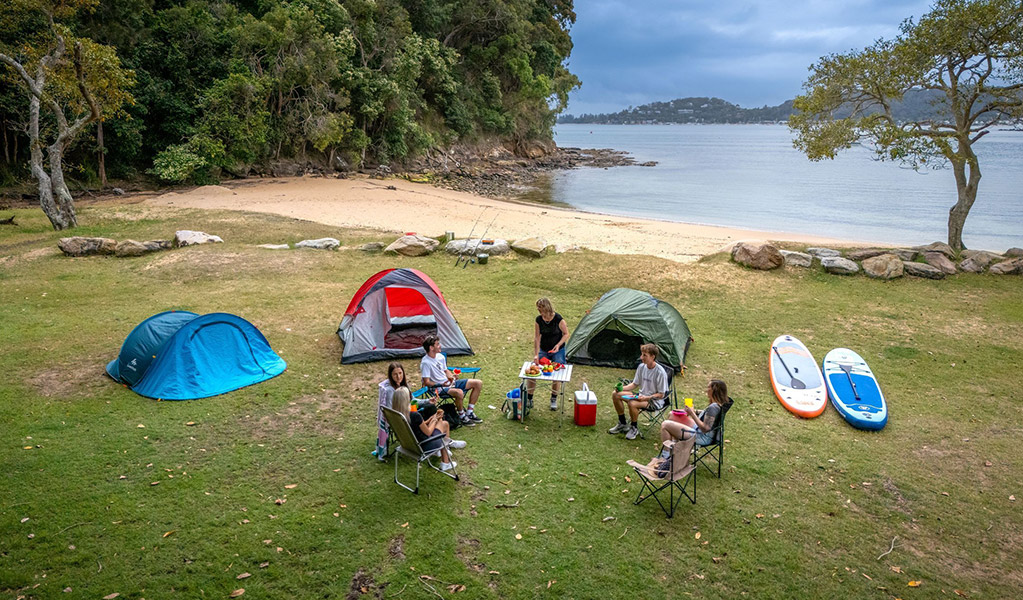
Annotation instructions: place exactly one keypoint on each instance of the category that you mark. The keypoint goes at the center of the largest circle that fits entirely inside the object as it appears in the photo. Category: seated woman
(704, 421)
(424, 428)
(395, 379)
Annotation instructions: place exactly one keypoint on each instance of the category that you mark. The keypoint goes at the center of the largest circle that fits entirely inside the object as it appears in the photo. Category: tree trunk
(102, 155)
(967, 175)
(65, 217)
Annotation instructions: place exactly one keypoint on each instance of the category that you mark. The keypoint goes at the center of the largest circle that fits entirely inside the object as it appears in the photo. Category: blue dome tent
(179, 355)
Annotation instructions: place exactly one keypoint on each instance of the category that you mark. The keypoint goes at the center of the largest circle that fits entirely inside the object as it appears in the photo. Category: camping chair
(412, 448)
(651, 416)
(680, 474)
(715, 451)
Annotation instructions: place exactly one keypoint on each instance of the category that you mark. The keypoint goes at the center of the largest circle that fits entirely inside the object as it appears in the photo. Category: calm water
(749, 176)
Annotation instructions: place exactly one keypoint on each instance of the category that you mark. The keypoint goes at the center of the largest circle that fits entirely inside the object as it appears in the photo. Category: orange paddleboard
(796, 378)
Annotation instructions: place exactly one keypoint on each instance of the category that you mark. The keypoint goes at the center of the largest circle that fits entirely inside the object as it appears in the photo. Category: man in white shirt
(434, 370)
(650, 383)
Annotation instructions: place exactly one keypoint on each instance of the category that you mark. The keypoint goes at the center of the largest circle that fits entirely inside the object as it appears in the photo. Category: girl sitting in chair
(395, 380)
(699, 424)
(424, 428)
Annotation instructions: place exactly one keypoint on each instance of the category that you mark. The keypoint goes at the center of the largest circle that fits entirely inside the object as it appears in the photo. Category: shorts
(442, 391)
(704, 439)
(558, 357)
(432, 445)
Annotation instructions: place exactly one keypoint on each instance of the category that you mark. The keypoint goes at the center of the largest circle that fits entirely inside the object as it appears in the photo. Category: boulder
(413, 245)
(274, 246)
(839, 265)
(1013, 253)
(906, 254)
(469, 246)
(923, 270)
(117, 191)
(823, 252)
(758, 255)
(87, 246)
(939, 260)
(974, 265)
(187, 237)
(320, 244)
(133, 248)
(982, 256)
(865, 253)
(533, 247)
(937, 247)
(796, 259)
(886, 266)
(1013, 266)
(372, 247)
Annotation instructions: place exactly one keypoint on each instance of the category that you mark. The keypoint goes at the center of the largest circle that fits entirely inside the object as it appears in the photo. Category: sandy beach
(402, 206)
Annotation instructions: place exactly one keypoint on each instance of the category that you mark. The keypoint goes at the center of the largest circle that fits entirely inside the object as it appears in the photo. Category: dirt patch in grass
(362, 585)
(397, 548)
(467, 549)
(900, 503)
(70, 381)
(315, 413)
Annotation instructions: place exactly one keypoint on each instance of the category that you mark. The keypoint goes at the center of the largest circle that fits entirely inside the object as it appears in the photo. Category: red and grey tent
(391, 315)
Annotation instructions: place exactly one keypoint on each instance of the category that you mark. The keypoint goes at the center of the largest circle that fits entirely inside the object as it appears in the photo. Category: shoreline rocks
(320, 244)
(839, 265)
(885, 266)
(758, 255)
(412, 245)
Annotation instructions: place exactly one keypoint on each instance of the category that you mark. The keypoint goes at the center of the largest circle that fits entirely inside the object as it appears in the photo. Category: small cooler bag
(585, 407)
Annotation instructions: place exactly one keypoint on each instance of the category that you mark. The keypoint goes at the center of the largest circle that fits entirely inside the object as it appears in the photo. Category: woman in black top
(550, 335)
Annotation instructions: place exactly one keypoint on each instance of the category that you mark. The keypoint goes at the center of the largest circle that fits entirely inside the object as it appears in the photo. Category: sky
(749, 52)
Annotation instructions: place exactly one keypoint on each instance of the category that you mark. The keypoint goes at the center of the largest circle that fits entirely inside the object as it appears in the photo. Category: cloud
(751, 53)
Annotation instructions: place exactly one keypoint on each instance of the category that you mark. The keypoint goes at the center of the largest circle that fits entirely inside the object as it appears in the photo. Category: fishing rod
(460, 254)
(482, 237)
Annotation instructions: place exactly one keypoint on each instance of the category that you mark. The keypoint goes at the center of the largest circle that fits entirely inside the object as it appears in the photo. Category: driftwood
(8, 221)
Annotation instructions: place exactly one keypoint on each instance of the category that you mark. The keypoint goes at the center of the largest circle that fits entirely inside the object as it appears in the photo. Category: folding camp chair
(652, 415)
(714, 451)
(410, 447)
(679, 475)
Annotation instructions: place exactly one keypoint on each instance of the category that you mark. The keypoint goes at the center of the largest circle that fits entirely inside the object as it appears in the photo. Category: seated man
(434, 370)
(649, 384)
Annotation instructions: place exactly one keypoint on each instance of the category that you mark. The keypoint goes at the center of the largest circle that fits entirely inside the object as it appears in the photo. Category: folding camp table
(563, 376)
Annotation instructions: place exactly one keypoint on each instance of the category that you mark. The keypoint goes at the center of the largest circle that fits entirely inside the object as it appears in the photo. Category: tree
(969, 52)
(89, 86)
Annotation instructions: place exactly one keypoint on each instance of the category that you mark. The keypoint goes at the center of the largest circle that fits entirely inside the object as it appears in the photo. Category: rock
(977, 264)
(186, 237)
(937, 247)
(133, 248)
(274, 246)
(1013, 252)
(320, 244)
(1012, 266)
(758, 255)
(823, 252)
(923, 270)
(906, 254)
(939, 260)
(413, 245)
(117, 191)
(982, 257)
(497, 248)
(372, 247)
(533, 247)
(886, 266)
(796, 259)
(87, 246)
(865, 253)
(839, 265)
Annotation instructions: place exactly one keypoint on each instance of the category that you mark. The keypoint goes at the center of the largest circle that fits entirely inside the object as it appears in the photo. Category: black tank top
(550, 333)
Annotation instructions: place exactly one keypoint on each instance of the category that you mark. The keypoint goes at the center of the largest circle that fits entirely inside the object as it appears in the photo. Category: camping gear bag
(513, 405)
(585, 407)
(451, 415)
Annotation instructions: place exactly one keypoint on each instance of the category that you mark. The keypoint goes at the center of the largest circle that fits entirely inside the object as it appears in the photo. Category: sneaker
(467, 421)
(619, 428)
(456, 444)
(633, 433)
(448, 466)
(472, 417)
(554, 404)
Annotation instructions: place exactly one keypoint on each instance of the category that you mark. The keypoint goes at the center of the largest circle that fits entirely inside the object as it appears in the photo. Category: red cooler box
(585, 407)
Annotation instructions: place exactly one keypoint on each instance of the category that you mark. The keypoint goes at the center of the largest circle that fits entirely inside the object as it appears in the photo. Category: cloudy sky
(750, 52)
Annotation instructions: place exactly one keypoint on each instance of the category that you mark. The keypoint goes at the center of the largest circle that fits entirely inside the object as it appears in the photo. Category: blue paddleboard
(853, 390)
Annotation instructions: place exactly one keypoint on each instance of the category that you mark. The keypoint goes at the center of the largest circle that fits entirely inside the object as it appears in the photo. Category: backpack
(451, 416)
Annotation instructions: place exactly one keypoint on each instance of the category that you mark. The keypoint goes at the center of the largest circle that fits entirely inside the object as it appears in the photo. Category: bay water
(750, 177)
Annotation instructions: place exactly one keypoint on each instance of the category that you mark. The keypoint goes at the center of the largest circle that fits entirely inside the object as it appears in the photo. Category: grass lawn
(277, 481)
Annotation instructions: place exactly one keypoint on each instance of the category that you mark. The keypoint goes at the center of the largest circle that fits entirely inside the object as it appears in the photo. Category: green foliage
(191, 162)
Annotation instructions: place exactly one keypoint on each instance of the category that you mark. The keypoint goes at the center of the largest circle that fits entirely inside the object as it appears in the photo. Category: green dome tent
(620, 322)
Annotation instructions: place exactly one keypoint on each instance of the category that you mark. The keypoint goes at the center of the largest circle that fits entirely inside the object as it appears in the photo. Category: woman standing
(395, 379)
(550, 334)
